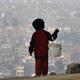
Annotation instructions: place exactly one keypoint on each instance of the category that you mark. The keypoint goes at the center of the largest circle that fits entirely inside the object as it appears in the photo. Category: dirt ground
(53, 77)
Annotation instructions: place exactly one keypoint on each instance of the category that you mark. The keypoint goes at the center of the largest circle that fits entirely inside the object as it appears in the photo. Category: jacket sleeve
(54, 35)
(32, 44)
(49, 36)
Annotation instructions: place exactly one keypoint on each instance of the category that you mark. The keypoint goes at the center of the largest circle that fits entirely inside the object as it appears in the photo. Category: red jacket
(39, 43)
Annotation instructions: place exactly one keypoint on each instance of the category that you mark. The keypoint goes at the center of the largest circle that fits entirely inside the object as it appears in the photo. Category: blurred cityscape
(16, 18)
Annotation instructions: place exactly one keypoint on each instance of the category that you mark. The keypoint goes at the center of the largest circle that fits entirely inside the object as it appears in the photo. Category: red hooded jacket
(39, 43)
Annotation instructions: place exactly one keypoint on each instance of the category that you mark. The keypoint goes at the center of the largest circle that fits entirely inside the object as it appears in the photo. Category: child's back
(41, 45)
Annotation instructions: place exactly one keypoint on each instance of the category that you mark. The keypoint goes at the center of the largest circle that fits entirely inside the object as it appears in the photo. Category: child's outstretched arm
(54, 35)
(32, 44)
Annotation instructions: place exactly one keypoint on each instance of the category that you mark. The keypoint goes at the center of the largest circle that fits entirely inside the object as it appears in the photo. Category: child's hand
(56, 31)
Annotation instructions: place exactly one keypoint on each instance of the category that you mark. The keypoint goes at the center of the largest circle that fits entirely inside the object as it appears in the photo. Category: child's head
(38, 24)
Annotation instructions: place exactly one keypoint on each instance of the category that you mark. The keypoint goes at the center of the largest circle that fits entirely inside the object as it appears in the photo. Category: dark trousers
(41, 66)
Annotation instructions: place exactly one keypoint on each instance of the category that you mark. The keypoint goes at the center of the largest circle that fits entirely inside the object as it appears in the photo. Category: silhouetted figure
(39, 44)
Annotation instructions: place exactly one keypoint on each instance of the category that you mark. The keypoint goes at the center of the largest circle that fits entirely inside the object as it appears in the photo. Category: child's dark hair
(38, 24)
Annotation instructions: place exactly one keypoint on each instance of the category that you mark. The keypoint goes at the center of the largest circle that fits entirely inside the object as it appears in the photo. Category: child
(39, 44)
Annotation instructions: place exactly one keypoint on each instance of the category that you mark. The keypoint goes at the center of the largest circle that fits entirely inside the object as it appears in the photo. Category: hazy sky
(59, 13)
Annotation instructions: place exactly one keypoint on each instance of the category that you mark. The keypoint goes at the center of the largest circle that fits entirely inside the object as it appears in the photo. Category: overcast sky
(59, 13)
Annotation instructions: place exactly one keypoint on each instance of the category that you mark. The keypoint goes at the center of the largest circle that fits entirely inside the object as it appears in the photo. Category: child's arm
(49, 36)
(54, 35)
(32, 44)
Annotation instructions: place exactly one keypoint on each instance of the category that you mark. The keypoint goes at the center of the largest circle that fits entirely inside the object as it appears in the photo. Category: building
(20, 70)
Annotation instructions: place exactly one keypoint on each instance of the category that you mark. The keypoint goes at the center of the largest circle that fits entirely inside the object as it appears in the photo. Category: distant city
(16, 18)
